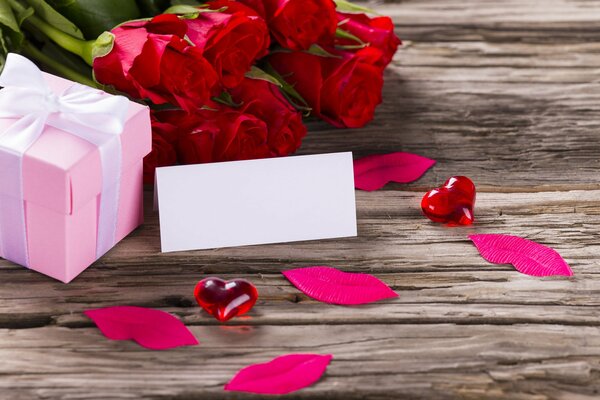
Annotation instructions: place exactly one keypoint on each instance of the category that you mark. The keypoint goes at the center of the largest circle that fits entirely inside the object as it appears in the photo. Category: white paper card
(272, 200)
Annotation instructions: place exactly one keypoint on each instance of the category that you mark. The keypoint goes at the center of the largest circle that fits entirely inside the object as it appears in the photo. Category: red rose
(162, 155)
(297, 24)
(343, 90)
(256, 5)
(376, 32)
(265, 101)
(248, 7)
(225, 134)
(152, 59)
(231, 40)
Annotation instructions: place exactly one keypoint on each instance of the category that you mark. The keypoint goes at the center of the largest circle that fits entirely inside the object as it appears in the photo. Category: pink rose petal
(284, 374)
(527, 257)
(153, 329)
(374, 172)
(333, 286)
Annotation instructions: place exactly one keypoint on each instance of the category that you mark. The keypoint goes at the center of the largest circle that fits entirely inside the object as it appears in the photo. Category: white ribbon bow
(81, 111)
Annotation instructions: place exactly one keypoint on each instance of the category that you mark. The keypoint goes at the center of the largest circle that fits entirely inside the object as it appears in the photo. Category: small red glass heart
(451, 203)
(225, 299)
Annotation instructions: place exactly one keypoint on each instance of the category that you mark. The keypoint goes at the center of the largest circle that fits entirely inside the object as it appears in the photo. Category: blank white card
(272, 200)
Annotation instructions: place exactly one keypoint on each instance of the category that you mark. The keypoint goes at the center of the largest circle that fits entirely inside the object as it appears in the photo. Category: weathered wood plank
(498, 298)
(574, 58)
(384, 361)
(572, 13)
(393, 237)
(435, 269)
(504, 92)
(463, 298)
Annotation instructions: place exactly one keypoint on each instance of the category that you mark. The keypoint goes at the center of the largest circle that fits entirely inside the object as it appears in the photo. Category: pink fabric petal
(153, 329)
(527, 257)
(374, 172)
(284, 374)
(331, 285)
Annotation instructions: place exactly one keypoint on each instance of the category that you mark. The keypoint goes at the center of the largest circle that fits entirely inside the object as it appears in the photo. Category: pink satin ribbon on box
(81, 111)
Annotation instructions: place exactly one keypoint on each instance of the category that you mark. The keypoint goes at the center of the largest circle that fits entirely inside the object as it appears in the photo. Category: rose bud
(152, 59)
(265, 101)
(230, 40)
(376, 32)
(298, 24)
(343, 89)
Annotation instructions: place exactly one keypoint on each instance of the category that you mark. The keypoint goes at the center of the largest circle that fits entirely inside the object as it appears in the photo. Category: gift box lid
(62, 172)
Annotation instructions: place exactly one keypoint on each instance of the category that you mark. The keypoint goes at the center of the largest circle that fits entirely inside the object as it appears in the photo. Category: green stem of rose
(80, 47)
(34, 53)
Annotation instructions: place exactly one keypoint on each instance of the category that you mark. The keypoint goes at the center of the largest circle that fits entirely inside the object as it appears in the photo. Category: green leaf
(103, 45)
(185, 2)
(7, 18)
(150, 8)
(346, 6)
(290, 93)
(190, 12)
(44, 11)
(187, 10)
(352, 46)
(3, 52)
(257, 73)
(208, 109)
(97, 16)
(10, 33)
(317, 50)
(342, 34)
(226, 99)
(24, 14)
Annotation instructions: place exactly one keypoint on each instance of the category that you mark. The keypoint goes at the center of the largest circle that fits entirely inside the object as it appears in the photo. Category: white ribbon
(81, 111)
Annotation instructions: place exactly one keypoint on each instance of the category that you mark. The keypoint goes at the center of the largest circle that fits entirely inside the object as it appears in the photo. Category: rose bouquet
(225, 80)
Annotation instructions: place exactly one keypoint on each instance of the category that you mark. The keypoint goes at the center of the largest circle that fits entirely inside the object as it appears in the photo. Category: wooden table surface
(506, 92)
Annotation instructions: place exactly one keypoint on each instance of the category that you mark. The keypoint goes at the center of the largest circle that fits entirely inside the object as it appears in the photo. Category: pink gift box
(62, 183)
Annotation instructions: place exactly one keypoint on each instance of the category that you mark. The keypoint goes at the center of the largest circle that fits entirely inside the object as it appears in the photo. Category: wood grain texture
(507, 93)
(385, 361)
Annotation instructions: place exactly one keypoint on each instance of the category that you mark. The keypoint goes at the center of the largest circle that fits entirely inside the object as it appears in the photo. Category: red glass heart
(451, 203)
(225, 299)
